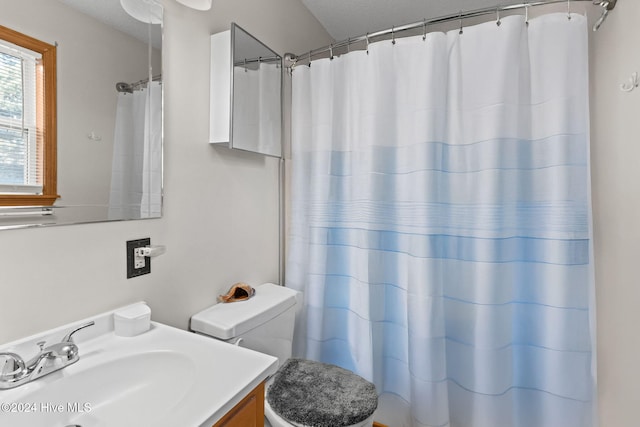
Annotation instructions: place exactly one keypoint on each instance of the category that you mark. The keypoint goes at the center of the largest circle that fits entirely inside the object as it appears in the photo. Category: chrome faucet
(15, 372)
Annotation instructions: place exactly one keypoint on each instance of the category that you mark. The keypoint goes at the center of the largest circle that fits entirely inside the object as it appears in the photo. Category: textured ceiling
(350, 18)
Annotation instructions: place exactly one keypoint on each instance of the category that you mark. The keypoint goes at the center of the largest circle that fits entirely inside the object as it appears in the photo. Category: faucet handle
(11, 366)
(69, 336)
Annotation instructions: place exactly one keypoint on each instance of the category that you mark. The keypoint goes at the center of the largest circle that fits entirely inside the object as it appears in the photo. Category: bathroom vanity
(162, 376)
(248, 413)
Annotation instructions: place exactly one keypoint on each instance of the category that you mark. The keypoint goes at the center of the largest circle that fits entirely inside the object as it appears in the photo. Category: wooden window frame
(46, 119)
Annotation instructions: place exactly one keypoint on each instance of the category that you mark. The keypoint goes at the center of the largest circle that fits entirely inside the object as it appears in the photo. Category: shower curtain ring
(498, 22)
(331, 52)
(460, 18)
(424, 29)
(393, 35)
(309, 59)
(349, 45)
(526, 14)
(569, 10)
(245, 65)
(367, 39)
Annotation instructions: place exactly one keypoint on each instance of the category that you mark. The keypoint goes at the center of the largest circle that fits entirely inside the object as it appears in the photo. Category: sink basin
(163, 377)
(156, 382)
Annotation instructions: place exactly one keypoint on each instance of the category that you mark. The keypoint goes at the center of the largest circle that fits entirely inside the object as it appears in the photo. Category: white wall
(615, 157)
(220, 222)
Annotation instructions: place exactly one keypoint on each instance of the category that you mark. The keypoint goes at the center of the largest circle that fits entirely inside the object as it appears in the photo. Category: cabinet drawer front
(248, 413)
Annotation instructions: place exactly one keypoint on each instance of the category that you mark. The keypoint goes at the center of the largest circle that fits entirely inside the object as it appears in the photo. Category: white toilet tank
(262, 323)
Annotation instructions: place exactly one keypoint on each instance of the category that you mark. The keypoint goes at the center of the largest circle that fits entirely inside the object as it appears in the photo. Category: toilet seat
(309, 393)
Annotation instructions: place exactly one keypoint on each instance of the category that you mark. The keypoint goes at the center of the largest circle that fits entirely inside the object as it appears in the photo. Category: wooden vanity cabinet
(249, 412)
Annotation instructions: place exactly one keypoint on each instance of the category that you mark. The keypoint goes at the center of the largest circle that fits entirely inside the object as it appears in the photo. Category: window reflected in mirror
(27, 120)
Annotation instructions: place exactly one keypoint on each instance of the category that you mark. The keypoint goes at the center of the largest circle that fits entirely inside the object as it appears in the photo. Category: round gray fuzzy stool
(317, 394)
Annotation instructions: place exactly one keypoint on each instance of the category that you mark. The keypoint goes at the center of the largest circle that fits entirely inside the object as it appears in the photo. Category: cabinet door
(248, 413)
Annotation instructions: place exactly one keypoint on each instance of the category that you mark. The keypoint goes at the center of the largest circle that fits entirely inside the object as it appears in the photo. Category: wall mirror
(109, 115)
(246, 93)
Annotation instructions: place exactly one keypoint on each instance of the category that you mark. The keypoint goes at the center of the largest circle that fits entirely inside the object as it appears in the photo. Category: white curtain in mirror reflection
(136, 177)
(256, 108)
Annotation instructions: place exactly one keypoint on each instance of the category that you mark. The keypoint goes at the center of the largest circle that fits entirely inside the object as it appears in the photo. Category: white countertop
(162, 377)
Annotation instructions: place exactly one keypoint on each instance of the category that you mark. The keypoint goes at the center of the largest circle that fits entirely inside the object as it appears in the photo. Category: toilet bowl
(277, 421)
(265, 323)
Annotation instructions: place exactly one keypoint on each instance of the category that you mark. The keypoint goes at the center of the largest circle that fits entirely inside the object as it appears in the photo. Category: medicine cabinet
(246, 93)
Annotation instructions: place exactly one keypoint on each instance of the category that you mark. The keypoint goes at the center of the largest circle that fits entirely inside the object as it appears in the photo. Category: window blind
(20, 111)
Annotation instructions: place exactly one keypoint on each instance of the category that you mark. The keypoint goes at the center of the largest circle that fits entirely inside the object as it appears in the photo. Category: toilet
(302, 393)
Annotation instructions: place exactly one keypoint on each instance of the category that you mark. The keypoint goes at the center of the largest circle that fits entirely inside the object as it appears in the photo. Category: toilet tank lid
(225, 321)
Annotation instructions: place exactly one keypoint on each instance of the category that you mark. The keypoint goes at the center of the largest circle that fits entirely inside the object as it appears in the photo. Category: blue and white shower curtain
(441, 223)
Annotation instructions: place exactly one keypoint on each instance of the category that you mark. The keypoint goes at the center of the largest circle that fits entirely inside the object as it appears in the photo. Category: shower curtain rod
(244, 62)
(130, 87)
(291, 59)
